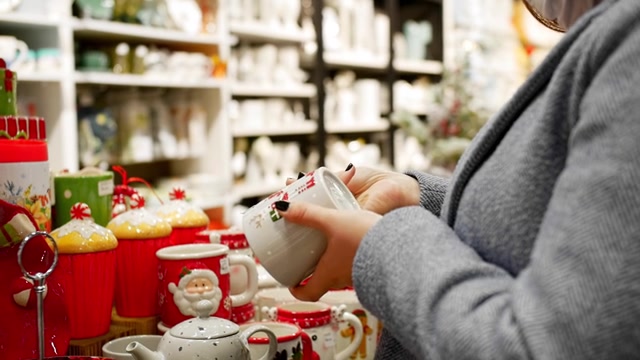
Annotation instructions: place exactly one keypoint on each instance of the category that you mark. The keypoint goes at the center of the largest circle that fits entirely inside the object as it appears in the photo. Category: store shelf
(380, 125)
(244, 191)
(355, 60)
(264, 90)
(307, 127)
(418, 66)
(27, 21)
(111, 30)
(99, 78)
(256, 31)
(39, 77)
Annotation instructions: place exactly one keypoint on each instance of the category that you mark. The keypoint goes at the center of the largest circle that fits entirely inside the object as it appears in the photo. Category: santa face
(197, 288)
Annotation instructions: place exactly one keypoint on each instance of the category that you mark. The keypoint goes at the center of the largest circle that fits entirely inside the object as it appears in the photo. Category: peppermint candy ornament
(80, 211)
(23, 294)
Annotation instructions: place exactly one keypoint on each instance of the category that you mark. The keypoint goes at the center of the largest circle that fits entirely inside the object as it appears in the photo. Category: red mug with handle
(193, 272)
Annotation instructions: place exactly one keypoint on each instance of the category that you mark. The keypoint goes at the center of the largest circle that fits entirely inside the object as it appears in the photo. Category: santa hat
(187, 275)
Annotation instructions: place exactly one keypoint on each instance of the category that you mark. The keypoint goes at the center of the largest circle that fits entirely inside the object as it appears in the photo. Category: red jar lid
(13, 151)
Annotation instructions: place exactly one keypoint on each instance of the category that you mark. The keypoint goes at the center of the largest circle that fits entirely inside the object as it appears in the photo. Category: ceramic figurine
(330, 29)
(418, 36)
(289, 12)
(345, 97)
(346, 18)
(267, 11)
(268, 158)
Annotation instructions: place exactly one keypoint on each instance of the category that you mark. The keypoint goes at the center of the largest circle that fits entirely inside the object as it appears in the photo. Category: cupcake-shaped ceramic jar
(87, 264)
(140, 234)
(185, 218)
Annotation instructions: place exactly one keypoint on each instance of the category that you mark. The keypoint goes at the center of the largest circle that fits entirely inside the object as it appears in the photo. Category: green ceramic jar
(8, 92)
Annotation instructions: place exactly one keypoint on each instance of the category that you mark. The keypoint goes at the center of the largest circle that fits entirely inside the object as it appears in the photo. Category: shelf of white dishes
(106, 78)
(244, 191)
(122, 31)
(39, 77)
(28, 21)
(306, 127)
(363, 127)
(411, 66)
(355, 60)
(258, 31)
(273, 90)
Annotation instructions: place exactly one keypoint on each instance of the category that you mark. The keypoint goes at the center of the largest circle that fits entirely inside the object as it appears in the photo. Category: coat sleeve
(579, 297)
(432, 190)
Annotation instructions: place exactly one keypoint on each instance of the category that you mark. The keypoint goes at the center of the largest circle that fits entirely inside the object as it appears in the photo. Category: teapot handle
(273, 340)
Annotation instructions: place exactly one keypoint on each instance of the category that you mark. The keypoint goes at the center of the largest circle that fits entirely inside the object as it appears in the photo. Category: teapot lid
(204, 327)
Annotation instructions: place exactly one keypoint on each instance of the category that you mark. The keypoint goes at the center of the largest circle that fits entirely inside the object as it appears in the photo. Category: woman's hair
(551, 24)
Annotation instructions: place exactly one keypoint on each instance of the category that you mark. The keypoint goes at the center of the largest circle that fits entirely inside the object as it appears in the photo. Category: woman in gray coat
(532, 248)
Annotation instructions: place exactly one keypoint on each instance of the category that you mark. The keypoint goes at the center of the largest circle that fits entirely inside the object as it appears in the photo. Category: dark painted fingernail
(282, 205)
(301, 175)
(349, 167)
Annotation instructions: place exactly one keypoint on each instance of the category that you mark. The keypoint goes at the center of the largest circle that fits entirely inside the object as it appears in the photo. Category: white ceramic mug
(293, 343)
(371, 326)
(290, 252)
(318, 320)
(14, 51)
(115, 349)
(269, 298)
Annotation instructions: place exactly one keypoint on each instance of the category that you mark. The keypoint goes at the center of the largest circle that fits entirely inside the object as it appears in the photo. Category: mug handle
(23, 51)
(307, 346)
(273, 340)
(353, 347)
(252, 282)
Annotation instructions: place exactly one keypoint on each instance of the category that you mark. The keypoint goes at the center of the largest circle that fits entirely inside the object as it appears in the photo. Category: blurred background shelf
(418, 66)
(273, 90)
(28, 21)
(40, 77)
(355, 60)
(111, 30)
(99, 78)
(380, 125)
(258, 31)
(308, 127)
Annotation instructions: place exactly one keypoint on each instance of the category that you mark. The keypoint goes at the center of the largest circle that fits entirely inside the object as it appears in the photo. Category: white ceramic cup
(290, 252)
(319, 321)
(115, 349)
(13, 51)
(371, 326)
(293, 343)
(266, 299)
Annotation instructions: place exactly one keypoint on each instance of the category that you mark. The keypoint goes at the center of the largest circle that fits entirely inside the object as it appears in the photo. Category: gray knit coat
(532, 249)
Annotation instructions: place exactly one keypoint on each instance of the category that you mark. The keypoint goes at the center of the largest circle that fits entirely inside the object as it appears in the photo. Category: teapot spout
(141, 352)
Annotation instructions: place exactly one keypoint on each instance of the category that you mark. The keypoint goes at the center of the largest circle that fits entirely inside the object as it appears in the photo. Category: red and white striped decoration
(32, 126)
(23, 294)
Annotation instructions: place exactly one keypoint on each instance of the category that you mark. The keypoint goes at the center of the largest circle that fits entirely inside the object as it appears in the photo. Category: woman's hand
(381, 191)
(344, 230)
(377, 190)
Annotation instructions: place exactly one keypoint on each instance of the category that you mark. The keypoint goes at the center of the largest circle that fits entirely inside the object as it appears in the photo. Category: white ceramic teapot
(205, 338)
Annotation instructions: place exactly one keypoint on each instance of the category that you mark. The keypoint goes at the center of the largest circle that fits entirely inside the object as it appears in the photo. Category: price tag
(105, 187)
(224, 266)
(329, 340)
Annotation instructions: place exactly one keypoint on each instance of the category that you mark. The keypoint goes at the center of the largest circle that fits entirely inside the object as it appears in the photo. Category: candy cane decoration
(23, 294)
